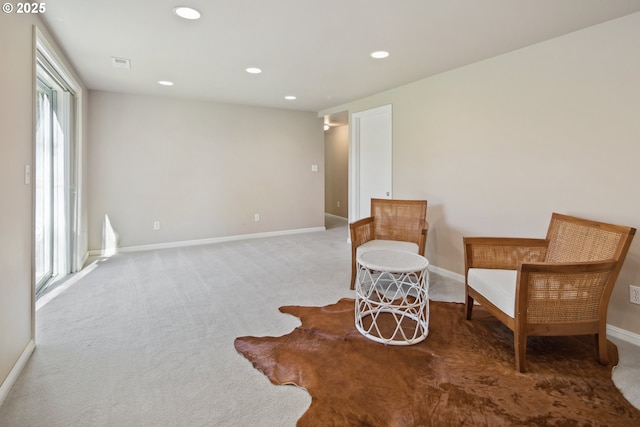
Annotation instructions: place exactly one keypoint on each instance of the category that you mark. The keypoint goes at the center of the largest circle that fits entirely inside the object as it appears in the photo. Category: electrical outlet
(256, 217)
(634, 294)
(156, 225)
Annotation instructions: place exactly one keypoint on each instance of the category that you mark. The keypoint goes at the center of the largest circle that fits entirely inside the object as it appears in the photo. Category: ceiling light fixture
(379, 54)
(326, 126)
(165, 83)
(254, 70)
(120, 62)
(289, 97)
(186, 12)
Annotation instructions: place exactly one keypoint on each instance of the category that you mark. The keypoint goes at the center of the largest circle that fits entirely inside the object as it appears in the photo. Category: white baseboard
(623, 334)
(447, 273)
(15, 371)
(179, 244)
(336, 216)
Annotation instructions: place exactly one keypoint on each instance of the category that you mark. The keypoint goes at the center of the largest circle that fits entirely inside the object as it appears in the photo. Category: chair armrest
(563, 292)
(568, 267)
(502, 252)
(361, 231)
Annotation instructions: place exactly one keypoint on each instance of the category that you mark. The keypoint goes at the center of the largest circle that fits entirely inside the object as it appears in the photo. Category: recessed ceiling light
(186, 12)
(379, 54)
(165, 83)
(254, 70)
(289, 97)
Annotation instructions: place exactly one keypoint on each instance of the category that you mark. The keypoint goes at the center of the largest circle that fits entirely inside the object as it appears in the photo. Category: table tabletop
(392, 261)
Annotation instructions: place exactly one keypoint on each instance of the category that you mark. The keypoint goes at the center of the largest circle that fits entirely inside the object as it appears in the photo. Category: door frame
(44, 53)
(354, 157)
(44, 171)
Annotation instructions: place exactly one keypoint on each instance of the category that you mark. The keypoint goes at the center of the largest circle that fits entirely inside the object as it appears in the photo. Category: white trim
(623, 334)
(50, 53)
(352, 180)
(16, 370)
(336, 216)
(184, 243)
(447, 273)
(50, 295)
(354, 157)
(84, 260)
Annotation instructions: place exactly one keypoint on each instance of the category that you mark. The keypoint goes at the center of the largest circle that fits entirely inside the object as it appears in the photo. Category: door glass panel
(55, 170)
(43, 180)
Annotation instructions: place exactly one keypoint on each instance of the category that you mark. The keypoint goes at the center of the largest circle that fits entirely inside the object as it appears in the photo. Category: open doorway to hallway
(336, 156)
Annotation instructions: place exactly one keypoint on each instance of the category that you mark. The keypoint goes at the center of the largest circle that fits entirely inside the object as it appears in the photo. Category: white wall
(497, 146)
(16, 215)
(202, 169)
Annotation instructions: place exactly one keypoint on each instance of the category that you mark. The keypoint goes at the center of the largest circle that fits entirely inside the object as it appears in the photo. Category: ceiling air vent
(120, 62)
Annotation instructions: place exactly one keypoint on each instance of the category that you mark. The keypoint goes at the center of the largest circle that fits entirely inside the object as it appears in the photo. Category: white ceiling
(315, 50)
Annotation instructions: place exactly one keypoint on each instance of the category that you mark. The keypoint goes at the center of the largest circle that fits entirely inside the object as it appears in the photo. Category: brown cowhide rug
(463, 374)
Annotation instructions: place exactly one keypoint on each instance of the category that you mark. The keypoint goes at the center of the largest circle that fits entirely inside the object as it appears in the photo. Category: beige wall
(336, 180)
(16, 82)
(499, 145)
(16, 130)
(202, 169)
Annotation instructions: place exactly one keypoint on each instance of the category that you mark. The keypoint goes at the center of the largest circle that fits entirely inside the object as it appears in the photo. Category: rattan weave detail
(506, 257)
(398, 221)
(575, 242)
(565, 298)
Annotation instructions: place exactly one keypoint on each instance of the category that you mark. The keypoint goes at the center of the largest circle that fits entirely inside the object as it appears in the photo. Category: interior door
(371, 160)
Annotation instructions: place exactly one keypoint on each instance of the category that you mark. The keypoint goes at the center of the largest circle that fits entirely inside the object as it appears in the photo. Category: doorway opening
(336, 158)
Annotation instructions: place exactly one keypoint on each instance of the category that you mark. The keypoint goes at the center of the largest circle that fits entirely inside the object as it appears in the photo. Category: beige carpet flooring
(146, 338)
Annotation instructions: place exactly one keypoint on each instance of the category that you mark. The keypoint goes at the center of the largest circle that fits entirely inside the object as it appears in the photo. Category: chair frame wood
(536, 262)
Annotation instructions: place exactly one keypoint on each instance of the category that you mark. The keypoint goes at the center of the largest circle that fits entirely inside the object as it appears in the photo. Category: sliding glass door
(53, 183)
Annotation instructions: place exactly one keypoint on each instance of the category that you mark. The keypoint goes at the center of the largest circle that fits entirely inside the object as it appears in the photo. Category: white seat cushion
(387, 244)
(498, 286)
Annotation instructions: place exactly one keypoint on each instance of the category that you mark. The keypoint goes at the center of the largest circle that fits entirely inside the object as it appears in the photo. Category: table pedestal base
(392, 308)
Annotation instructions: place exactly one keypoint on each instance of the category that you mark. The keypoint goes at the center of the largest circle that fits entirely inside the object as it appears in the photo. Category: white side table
(392, 284)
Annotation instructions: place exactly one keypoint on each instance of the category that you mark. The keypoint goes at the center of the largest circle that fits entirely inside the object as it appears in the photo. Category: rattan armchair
(556, 286)
(393, 224)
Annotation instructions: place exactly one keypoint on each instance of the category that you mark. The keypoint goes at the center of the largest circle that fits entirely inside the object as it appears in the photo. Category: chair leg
(520, 346)
(353, 277)
(468, 306)
(601, 348)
